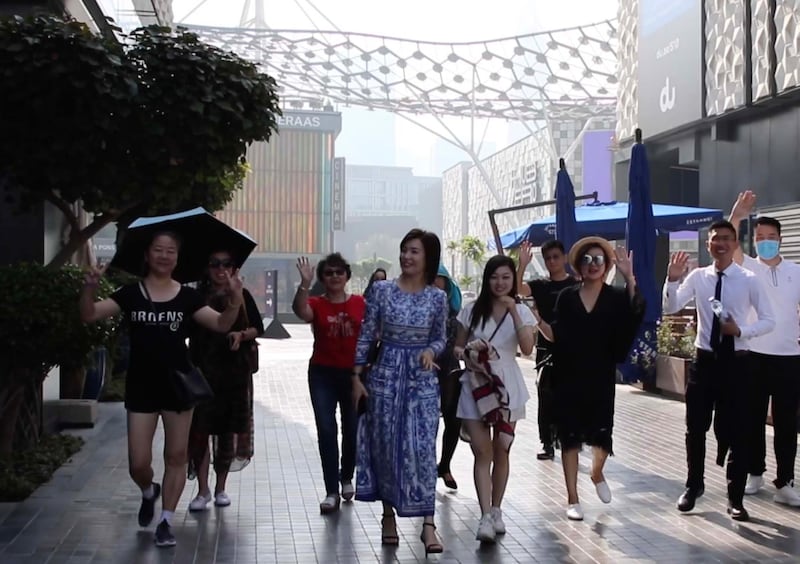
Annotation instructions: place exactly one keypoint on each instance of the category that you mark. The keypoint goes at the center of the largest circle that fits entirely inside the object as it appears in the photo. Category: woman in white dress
(493, 393)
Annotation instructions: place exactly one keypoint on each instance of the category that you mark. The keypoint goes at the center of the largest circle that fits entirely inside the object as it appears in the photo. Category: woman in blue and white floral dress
(396, 459)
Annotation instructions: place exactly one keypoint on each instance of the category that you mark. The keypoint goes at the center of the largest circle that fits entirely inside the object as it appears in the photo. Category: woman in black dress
(593, 328)
(223, 358)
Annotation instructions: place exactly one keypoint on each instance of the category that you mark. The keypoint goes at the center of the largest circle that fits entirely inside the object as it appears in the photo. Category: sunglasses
(598, 260)
(334, 272)
(216, 263)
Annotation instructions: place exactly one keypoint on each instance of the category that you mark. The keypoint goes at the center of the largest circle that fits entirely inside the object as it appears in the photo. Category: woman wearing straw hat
(593, 328)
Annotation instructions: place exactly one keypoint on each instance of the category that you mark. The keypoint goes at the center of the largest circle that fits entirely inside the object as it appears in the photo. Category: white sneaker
(486, 531)
(603, 491)
(754, 483)
(787, 496)
(348, 491)
(574, 512)
(200, 503)
(497, 520)
(222, 500)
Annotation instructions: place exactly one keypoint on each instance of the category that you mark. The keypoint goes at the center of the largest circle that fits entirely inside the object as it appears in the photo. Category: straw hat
(575, 260)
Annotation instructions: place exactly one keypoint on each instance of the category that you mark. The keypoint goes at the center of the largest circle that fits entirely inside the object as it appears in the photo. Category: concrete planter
(671, 374)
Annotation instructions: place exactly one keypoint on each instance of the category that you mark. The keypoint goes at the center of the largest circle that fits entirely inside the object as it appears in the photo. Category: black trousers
(546, 400)
(776, 377)
(450, 391)
(717, 389)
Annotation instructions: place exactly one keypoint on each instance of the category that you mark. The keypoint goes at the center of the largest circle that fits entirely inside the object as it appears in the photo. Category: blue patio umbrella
(641, 233)
(610, 219)
(566, 224)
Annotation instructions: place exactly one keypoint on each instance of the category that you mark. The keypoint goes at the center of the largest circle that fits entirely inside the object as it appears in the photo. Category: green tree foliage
(40, 328)
(158, 123)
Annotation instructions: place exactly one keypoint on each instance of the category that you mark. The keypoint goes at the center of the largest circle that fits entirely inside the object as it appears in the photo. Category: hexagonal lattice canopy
(567, 73)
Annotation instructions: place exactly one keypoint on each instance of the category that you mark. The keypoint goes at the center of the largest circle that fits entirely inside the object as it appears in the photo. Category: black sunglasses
(599, 260)
(334, 272)
(216, 263)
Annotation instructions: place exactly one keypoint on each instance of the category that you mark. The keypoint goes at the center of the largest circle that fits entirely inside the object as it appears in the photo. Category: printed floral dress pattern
(396, 457)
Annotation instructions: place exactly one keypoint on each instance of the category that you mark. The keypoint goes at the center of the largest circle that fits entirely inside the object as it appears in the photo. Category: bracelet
(303, 288)
(518, 327)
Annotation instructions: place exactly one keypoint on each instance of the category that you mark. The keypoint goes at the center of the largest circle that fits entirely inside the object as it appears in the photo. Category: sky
(437, 20)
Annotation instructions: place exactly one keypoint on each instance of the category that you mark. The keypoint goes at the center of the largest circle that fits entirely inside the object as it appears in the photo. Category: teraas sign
(299, 121)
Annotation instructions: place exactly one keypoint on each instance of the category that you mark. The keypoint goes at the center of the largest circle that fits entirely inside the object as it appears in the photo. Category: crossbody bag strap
(498, 326)
(143, 286)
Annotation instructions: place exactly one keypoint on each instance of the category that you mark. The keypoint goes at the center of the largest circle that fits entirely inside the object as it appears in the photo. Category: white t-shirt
(782, 283)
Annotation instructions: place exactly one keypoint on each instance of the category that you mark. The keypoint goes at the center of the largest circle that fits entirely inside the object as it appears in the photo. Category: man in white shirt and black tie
(776, 357)
(725, 295)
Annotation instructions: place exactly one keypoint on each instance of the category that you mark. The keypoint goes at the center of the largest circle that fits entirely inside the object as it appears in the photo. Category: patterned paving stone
(87, 513)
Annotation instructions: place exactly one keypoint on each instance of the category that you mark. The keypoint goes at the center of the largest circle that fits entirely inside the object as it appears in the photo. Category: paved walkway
(87, 513)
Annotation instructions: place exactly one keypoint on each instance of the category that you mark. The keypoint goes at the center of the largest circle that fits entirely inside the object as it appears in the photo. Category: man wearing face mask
(776, 356)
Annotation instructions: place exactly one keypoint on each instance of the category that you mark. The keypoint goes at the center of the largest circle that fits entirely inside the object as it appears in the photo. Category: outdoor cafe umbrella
(566, 224)
(641, 240)
(201, 234)
(641, 229)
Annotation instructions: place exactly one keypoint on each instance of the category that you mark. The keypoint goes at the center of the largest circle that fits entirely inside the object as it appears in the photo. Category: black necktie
(715, 324)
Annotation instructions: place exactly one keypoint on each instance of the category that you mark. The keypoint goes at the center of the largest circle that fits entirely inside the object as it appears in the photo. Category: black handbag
(190, 386)
(251, 350)
(373, 352)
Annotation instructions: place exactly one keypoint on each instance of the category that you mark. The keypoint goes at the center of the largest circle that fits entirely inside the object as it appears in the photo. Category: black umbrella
(201, 234)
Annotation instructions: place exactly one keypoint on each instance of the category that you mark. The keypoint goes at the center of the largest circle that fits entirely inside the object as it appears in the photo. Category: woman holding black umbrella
(158, 310)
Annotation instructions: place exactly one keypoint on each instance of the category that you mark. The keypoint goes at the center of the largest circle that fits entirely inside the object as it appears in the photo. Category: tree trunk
(76, 241)
(10, 403)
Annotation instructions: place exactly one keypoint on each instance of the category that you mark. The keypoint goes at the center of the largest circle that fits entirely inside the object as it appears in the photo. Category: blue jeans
(331, 386)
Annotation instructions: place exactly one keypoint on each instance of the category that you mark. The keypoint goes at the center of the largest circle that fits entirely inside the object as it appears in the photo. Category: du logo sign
(666, 99)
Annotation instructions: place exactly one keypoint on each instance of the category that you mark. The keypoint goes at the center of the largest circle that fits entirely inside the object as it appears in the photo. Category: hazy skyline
(442, 20)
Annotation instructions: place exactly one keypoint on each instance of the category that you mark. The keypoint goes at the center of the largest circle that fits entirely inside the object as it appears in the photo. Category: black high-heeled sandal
(433, 548)
(449, 481)
(389, 540)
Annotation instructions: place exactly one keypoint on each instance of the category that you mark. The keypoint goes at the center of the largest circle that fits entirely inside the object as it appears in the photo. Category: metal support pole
(492, 213)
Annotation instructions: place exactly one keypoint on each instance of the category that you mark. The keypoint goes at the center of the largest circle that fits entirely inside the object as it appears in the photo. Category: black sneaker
(164, 537)
(148, 508)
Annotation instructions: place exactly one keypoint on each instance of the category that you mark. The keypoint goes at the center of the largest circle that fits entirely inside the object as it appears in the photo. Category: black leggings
(450, 390)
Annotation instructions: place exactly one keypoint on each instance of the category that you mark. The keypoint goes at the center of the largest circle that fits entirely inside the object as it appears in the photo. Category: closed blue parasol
(566, 224)
(641, 239)
(641, 229)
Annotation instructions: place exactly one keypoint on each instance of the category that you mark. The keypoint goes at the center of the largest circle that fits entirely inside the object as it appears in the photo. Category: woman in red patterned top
(335, 319)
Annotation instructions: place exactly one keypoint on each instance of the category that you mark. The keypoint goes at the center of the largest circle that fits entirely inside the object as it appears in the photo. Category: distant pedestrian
(335, 318)
(377, 276)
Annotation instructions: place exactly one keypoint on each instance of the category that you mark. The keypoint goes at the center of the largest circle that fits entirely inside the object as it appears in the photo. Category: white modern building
(524, 173)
